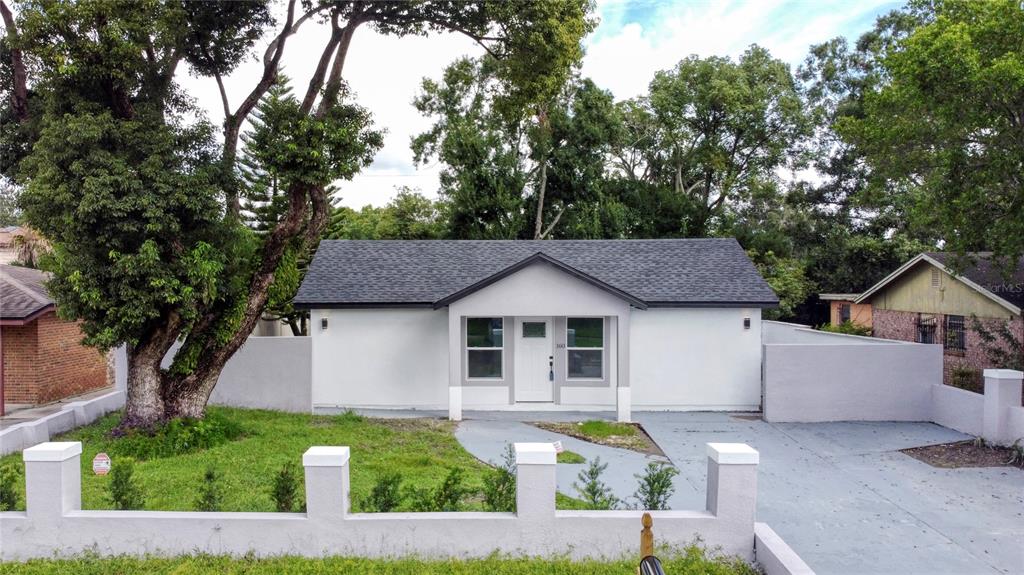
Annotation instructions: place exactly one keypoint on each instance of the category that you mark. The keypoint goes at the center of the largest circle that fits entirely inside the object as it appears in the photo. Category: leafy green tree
(941, 130)
(787, 277)
(144, 207)
(408, 216)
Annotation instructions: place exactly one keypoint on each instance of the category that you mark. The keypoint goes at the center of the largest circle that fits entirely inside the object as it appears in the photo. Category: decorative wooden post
(646, 536)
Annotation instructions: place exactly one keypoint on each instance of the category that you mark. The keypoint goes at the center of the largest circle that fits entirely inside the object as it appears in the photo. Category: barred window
(925, 329)
(954, 333)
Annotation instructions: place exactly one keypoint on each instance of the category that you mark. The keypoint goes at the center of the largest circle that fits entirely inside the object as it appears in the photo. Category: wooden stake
(646, 536)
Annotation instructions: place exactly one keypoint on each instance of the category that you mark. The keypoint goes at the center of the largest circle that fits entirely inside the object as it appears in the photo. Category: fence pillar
(535, 480)
(53, 479)
(327, 482)
(732, 482)
(1002, 390)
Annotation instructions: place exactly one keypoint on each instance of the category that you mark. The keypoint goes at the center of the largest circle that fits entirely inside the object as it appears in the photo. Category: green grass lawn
(422, 450)
(570, 457)
(613, 434)
(690, 562)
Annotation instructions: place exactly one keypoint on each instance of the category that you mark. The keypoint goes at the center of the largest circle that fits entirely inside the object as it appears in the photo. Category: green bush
(592, 490)
(848, 328)
(177, 437)
(211, 493)
(655, 486)
(446, 497)
(386, 494)
(500, 484)
(123, 490)
(9, 478)
(285, 488)
(965, 377)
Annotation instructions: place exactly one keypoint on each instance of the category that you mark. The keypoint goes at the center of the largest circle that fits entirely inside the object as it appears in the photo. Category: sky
(634, 39)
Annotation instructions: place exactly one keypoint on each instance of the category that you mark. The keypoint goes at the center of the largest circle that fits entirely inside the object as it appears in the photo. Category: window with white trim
(484, 347)
(584, 345)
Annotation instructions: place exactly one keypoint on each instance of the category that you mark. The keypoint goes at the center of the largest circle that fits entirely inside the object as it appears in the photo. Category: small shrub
(285, 488)
(500, 484)
(571, 457)
(446, 497)
(10, 475)
(385, 495)
(965, 377)
(848, 328)
(176, 437)
(655, 486)
(123, 490)
(211, 493)
(592, 490)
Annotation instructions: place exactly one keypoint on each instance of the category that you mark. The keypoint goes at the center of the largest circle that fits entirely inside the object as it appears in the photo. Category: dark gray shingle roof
(682, 272)
(982, 270)
(22, 292)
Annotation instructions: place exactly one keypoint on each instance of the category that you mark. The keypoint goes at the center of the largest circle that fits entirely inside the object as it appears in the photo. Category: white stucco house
(535, 325)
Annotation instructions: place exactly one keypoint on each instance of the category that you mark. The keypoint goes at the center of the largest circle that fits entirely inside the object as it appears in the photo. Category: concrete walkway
(19, 413)
(841, 494)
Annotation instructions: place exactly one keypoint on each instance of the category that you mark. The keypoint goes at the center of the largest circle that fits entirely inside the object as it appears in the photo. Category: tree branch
(19, 95)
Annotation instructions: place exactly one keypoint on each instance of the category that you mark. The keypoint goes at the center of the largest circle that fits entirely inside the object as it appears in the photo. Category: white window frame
(465, 346)
(601, 349)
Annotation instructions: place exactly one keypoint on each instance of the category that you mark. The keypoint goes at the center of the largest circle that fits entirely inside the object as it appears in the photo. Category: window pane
(534, 328)
(585, 332)
(484, 363)
(585, 363)
(483, 332)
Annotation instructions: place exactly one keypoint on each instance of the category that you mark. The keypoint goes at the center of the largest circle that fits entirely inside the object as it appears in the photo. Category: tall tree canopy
(142, 200)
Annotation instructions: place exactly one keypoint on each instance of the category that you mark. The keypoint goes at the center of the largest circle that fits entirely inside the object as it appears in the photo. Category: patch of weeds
(605, 429)
(10, 477)
(571, 457)
(612, 434)
(176, 437)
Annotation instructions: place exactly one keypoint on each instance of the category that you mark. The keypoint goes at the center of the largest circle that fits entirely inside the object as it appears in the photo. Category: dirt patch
(639, 441)
(964, 454)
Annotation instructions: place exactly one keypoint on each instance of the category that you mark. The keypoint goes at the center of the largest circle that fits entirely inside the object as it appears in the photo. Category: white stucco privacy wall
(846, 378)
(695, 359)
(394, 358)
(958, 409)
(268, 373)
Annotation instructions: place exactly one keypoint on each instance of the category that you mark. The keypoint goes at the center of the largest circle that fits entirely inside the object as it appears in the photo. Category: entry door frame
(533, 392)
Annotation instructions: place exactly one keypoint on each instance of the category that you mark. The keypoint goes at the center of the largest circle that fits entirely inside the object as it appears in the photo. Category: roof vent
(935, 278)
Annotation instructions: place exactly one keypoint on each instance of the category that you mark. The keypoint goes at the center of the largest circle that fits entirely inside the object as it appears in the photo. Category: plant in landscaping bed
(592, 490)
(10, 476)
(500, 484)
(385, 495)
(123, 490)
(285, 488)
(1016, 454)
(848, 328)
(605, 429)
(446, 497)
(211, 493)
(176, 437)
(655, 487)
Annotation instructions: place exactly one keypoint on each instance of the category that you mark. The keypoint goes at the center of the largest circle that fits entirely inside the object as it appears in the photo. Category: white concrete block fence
(54, 523)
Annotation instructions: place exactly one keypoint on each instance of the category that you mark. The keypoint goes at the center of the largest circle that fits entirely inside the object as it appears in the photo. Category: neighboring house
(8, 249)
(925, 301)
(841, 308)
(588, 324)
(43, 358)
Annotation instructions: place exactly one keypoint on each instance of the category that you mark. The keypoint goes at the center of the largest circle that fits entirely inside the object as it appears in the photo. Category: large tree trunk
(145, 405)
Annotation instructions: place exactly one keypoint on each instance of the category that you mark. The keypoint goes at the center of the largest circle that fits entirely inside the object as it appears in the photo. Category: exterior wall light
(323, 323)
(746, 323)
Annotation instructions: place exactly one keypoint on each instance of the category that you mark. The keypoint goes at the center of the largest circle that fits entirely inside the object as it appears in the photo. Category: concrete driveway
(845, 498)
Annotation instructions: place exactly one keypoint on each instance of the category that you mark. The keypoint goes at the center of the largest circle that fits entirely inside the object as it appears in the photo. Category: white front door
(534, 354)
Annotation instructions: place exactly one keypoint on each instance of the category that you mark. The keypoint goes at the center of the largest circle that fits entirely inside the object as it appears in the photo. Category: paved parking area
(845, 498)
(841, 494)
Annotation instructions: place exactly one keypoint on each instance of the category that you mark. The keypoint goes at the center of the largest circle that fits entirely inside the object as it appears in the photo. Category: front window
(925, 329)
(484, 345)
(584, 343)
(954, 337)
(844, 313)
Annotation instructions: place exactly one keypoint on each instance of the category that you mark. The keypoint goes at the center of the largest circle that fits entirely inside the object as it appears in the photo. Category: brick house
(43, 359)
(927, 302)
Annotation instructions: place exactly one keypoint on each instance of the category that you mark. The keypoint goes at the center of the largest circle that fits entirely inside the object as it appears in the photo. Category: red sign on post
(101, 464)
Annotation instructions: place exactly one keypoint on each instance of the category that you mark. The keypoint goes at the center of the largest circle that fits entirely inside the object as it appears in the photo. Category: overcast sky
(635, 38)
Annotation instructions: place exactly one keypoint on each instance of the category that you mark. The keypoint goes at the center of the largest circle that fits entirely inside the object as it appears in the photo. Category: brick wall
(45, 361)
(19, 357)
(902, 325)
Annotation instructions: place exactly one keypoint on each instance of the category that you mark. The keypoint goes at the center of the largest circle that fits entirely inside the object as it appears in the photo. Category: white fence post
(536, 482)
(1002, 391)
(732, 482)
(327, 482)
(53, 479)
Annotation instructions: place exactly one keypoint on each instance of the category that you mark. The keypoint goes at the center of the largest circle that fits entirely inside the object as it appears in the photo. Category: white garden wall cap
(325, 456)
(1004, 374)
(53, 451)
(733, 454)
(535, 454)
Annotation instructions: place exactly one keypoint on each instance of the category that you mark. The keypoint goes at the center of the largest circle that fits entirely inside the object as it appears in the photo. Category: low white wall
(783, 332)
(846, 378)
(774, 556)
(268, 373)
(55, 525)
(1015, 423)
(695, 358)
(73, 414)
(958, 409)
(380, 358)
